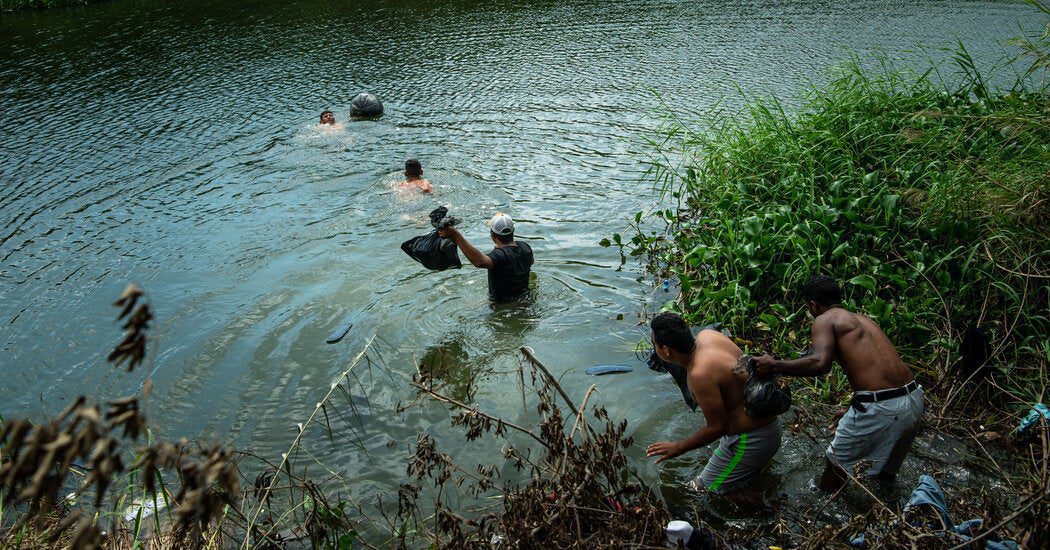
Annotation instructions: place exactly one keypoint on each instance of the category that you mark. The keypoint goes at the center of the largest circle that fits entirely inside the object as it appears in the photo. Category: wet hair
(823, 290)
(669, 329)
(323, 113)
(505, 239)
(413, 168)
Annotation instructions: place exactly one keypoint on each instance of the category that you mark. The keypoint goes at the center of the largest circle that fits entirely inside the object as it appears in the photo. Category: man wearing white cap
(509, 263)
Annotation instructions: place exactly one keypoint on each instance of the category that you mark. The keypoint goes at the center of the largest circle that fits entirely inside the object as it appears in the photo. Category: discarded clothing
(1038, 411)
(882, 433)
(929, 493)
(740, 457)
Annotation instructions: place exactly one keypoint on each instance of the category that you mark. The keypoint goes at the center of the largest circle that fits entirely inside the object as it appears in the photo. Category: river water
(175, 145)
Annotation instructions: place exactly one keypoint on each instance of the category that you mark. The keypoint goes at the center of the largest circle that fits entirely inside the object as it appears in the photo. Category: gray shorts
(740, 457)
(882, 434)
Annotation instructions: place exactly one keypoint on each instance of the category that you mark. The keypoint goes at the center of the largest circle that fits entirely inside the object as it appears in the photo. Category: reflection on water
(449, 363)
(174, 144)
(467, 354)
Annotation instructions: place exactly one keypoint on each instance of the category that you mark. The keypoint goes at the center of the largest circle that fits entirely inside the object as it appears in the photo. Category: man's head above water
(821, 293)
(327, 117)
(501, 227)
(671, 336)
(413, 169)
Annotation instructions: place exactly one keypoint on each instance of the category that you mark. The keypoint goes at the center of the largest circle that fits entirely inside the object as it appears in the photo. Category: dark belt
(882, 395)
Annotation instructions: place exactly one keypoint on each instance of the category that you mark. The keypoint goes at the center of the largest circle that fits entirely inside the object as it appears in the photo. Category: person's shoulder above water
(414, 177)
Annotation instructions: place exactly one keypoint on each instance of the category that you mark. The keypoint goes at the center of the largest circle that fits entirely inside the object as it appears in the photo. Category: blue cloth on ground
(928, 492)
(1033, 417)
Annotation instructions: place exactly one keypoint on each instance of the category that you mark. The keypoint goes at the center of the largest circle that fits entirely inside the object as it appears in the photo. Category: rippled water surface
(174, 144)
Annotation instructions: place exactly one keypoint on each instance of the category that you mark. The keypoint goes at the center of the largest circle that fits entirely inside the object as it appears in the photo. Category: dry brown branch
(475, 410)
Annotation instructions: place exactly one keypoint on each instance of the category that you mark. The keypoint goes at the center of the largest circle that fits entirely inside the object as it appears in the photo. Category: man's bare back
(745, 444)
(882, 431)
(421, 184)
(867, 356)
(712, 367)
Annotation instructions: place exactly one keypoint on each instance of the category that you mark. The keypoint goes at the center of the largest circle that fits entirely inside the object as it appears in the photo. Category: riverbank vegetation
(69, 483)
(928, 200)
(926, 194)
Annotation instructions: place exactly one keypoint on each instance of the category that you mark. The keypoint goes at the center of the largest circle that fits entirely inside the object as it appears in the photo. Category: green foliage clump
(930, 204)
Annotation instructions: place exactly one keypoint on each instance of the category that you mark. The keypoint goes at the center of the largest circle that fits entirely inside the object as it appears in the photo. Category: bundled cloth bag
(763, 395)
(365, 105)
(677, 372)
(432, 250)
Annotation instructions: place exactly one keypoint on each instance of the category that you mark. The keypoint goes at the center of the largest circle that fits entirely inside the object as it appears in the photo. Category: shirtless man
(414, 177)
(747, 443)
(327, 117)
(887, 404)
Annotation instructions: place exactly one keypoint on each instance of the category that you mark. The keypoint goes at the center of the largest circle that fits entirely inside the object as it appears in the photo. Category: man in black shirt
(509, 263)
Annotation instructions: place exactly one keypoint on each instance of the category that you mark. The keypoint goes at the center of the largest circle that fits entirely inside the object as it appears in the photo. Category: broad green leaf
(866, 281)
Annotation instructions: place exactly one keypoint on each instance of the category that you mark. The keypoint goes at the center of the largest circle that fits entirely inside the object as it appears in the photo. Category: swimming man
(746, 443)
(327, 117)
(414, 177)
(509, 263)
(887, 404)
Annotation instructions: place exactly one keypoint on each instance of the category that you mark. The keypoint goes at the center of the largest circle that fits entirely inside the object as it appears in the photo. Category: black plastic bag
(432, 250)
(763, 395)
(677, 372)
(365, 105)
(439, 218)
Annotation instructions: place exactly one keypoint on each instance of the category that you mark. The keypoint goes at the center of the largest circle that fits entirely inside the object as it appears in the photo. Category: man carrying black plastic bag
(432, 250)
(509, 264)
(745, 443)
(887, 407)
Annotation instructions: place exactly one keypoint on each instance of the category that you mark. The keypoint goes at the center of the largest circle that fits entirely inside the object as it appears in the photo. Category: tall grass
(928, 200)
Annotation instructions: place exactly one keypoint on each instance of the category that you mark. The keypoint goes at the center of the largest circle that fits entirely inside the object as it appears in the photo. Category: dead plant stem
(475, 410)
(298, 438)
(1017, 513)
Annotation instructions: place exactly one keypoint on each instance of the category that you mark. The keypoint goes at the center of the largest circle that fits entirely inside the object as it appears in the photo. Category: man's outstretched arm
(709, 397)
(815, 364)
(474, 256)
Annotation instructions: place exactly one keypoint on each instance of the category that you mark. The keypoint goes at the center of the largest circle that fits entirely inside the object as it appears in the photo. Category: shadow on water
(466, 356)
(449, 362)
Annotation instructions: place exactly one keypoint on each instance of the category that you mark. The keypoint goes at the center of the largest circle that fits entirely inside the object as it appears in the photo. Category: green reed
(927, 200)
